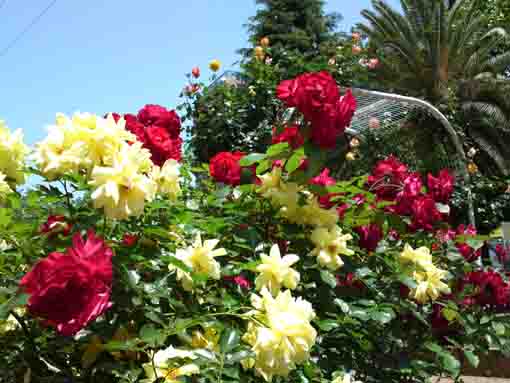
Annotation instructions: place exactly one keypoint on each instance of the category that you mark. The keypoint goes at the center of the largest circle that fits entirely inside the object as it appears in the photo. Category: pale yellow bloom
(287, 337)
(80, 143)
(167, 178)
(200, 259)
(421, 256)
(121, 189)
(5, 189)
(329, 245)
(346, 378)
(165, 364)
(313, 214)
(12, 154)
(275, 271)
(429, 284)
(270, 182)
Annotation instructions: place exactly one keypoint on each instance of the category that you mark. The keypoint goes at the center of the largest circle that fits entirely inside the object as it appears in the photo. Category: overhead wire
(25, 30)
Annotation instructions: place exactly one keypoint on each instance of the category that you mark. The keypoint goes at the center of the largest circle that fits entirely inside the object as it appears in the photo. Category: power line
(20, 35)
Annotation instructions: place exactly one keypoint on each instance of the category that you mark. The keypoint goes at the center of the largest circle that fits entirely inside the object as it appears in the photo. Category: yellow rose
(167, 178)
(429, 284)
(329, 245)
(200, 259)
(275, 271)
(313, 214)
(5, 189)
(421, 256)
(165, 364)
(287, 337)
(215, 65)
(12, 155)
(121, 189)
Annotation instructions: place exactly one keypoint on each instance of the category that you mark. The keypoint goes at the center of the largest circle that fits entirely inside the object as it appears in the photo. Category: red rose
(387, 177)
(160, 116)
(490, 288)
(195, 72)
(162, 146)
(369, 236)
(323, 179)
(224, 167)
(116, 116)
(342, 209)
(71, 290)
(466, 230)
(135, 127)
(441, 188)
(54, 225)
(501, 253)
(317, 97)
(349, 280)
(291, 135)
(129, 240)
(239, 280)
(425, 214)
(468, 252)
(445, 235)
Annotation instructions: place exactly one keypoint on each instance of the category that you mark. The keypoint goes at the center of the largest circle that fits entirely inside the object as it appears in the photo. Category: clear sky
(115, 55)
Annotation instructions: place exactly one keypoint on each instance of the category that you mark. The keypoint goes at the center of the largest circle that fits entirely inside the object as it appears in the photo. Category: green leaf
(151, 335)
(472, 358)
(250, 159)
(449, 363)
(344, 306)
(382, 317)
(434, 347)
(263, 166)
(177, 263)
(11, 304)
(229, 340)
(328, 278)
(238, 356)
(276, 149)
(294, 161)
(499, 328)
(327, 325)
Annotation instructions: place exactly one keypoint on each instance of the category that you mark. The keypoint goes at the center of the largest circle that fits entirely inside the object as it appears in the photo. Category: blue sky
(116, 55)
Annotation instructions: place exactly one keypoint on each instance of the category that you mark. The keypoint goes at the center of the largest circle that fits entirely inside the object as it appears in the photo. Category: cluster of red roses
(317, 97)
(391, 181)
(158, 129)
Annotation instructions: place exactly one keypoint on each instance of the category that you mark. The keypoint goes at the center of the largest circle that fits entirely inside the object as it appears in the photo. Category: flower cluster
(427, 276)
(391, 180)
(120, 161)
(317, 97)
(158, 129)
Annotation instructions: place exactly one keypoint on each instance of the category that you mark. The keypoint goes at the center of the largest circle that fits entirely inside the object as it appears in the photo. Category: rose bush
(126, 265)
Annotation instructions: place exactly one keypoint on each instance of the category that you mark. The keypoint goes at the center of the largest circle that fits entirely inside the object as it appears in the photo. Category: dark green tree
(293, 26)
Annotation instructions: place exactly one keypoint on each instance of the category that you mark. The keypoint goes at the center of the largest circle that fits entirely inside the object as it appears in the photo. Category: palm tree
(438, 48)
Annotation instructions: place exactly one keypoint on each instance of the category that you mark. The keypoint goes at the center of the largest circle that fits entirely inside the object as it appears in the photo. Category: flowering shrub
(123, 266)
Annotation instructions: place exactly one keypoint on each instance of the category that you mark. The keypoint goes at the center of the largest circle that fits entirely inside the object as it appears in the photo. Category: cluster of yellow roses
(115, 163)
(428, 277)
(327, 236)
(12, 160)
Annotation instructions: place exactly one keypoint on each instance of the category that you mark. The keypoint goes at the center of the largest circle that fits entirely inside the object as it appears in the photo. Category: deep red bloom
(393, 235)
(468, 252)
(445, 235)
(290, 134)
(195, 72)
(71, 290)
(56, 224)
(129, 240)
(369, 236)
(160, 116)
(425, 214)
(342, 209)
(490, 288)
(135, 127)
(162, 146)
(501, 253)
(387, 178)
(349, 280)
(441, 188)
(239, 280)
(466, 230)
(435, 246)
(317, 97)
(323, 179)
(224, 167)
